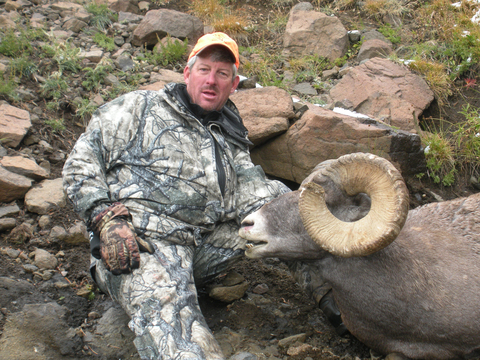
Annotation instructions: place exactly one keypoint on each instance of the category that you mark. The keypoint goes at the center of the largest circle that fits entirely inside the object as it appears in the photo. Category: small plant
(467, 137)
(95, 78)
(84, 111)
(104, 41)
(168, 54)
(440, 157)
(380, 8)
(436, 77)
(7, 87)
(14, 45)
(57, 125)
(220, 17)
(65, 54)
(390, 33)
(103, 17)
(55, 86)
(23, 66)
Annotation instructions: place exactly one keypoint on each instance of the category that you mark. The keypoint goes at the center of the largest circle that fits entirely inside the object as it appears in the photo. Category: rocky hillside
(59, 61)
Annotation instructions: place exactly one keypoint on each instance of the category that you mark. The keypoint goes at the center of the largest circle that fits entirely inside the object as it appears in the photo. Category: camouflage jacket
(147, 150)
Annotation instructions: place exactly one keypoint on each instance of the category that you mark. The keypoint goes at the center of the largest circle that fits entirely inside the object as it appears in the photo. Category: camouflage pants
(161, 297)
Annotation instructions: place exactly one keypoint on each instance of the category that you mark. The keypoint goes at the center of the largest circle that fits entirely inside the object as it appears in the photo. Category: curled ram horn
(357, 173)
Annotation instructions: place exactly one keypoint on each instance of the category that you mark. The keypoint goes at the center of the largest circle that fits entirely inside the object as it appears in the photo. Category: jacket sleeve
(85, 172)
(253, 187)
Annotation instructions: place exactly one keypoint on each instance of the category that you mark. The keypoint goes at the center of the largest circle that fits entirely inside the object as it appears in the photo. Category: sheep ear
(357, 173)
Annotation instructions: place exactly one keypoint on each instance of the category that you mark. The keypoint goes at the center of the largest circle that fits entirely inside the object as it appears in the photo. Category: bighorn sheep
(405, 282)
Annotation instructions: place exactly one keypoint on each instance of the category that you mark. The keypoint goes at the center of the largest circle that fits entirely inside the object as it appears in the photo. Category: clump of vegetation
(440, 156)
(95, 77)
(13, 45)
(448, 152)
(392, 34)
(219, 16)
(102, 17)
(7, 86)
(166, 54)
(436, 77)
(104, 41)
(65, 54)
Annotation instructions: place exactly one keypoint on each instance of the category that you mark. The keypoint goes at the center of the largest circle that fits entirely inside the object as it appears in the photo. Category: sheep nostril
(247, 223)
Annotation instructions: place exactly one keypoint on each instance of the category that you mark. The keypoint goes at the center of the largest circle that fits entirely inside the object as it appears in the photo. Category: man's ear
(235, 84)
(186, 74)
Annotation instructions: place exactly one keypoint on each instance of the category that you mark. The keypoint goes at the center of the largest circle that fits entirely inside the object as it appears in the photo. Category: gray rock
(13, 186)
(159, 23)
(305, 89)
(14, 124)
(9, 210)
(7, 224)
(46, 196)
(45, 260)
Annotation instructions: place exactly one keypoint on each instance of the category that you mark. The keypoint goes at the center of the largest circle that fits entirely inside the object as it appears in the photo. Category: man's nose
(211, 77)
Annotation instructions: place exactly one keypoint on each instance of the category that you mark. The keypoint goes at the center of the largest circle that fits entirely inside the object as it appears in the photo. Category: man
(163, 180)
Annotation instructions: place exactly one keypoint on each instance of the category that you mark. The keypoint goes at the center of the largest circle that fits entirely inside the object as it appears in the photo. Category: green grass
(168, 54)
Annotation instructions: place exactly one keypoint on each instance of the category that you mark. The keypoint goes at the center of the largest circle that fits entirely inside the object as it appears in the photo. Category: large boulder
(310, 32)
(265, 112)
(385, 91)
(322, 134)
(159, 23)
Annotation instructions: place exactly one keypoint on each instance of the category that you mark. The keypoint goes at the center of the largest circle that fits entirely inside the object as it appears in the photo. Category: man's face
(209, 83)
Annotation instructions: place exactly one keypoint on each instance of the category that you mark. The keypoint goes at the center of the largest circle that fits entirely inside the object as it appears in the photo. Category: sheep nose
(247, 223)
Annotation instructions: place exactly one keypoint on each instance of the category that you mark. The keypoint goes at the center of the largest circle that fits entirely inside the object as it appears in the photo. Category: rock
(13, 186)
(260, 289)
(385, 91)
(265, 112)
(321, 134)
(286, 342)
(125, 63)
(128, 17)
(10, 210)
(45, 260)
(44, 221)
(6, 23)
(21, 233)
(228, 294)
(299, 350)
(14, 124)
(124, 6)
(11, 290)
(74, 25)
(111, 335)
(58, 234)
(232, 278)
(314, 33)
(39, 331)
(7, 224)
(159, 23)
(24, 166)
(305, 89)
(374, 48)
(244, 356)
(77, 234)
(94, 55)
(46, 196)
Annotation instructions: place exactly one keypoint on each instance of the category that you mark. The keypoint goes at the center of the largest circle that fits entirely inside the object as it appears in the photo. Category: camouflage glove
(119, 245)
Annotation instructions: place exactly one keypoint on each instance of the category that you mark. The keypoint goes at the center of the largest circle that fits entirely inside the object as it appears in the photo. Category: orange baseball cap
(216, 38)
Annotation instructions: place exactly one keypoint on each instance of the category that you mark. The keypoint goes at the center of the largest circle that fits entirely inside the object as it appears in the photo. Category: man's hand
(119, 245)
